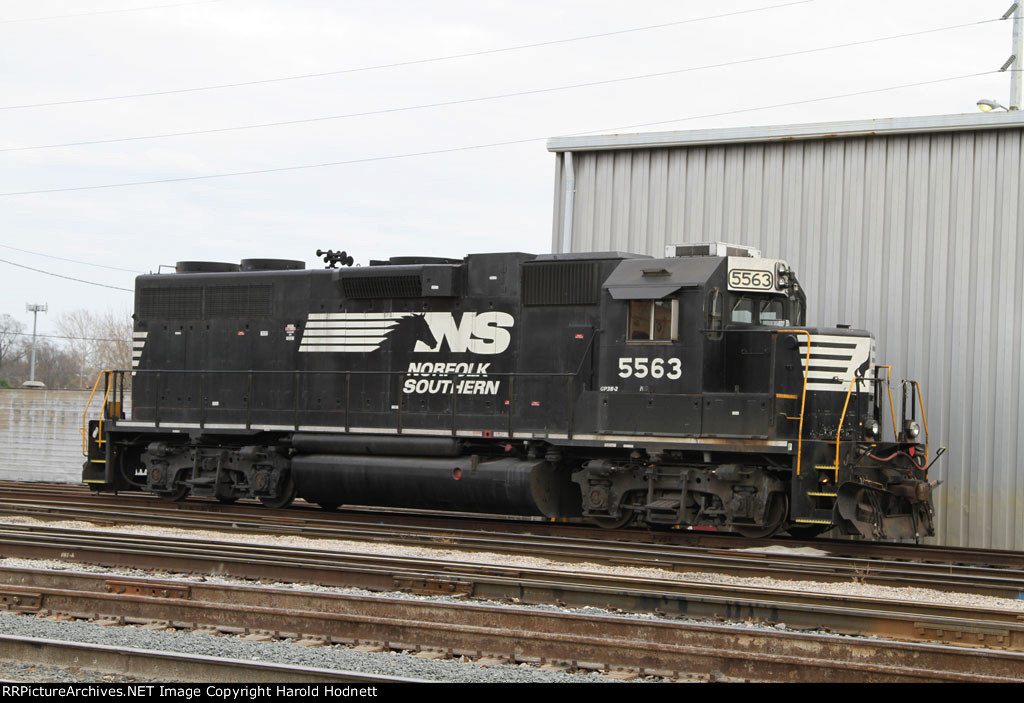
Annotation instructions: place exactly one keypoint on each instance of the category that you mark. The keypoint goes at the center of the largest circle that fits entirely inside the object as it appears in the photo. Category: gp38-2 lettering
(642, 367)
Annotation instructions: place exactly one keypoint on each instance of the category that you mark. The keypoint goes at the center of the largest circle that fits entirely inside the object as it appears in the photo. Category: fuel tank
(466, 483)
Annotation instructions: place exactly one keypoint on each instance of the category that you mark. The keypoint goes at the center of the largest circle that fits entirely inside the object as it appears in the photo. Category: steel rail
(574, 641)
(301, 514)
(840, 613)
(678, 558)
(172, 666)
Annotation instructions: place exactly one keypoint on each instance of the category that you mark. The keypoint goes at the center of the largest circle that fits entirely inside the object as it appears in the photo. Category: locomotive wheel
(775, 516)
(613, 523)
(284, 497)
(174, 496)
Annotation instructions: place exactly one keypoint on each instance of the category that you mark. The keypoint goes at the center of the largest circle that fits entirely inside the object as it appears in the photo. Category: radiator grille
(171, 303)
(238, 301)
(405, 286)
(562, 283)
(209, 303)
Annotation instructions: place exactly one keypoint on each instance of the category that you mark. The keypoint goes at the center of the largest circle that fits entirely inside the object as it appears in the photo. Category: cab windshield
(758, 310)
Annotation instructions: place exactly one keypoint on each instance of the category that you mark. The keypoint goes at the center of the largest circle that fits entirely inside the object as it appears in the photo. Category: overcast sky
(496, 198)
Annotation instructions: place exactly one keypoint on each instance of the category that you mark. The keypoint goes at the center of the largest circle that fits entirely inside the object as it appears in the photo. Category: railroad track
(488, 633)
(172, 666)
(69, 496)
(853, 615)
(748, 562)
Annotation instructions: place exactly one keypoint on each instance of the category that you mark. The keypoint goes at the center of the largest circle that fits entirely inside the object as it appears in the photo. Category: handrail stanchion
(924, 420)
(803, 396)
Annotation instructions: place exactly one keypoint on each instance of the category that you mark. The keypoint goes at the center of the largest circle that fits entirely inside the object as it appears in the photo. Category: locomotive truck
(683, 391)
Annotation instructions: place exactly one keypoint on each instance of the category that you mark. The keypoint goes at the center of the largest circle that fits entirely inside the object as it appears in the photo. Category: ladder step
(819, 494)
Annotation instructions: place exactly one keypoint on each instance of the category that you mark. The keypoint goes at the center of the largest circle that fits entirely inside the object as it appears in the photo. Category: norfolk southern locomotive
(681, 391)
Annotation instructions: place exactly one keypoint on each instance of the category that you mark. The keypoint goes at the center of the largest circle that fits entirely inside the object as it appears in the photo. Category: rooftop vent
(272, 265)
(204, 267)
(711, 249)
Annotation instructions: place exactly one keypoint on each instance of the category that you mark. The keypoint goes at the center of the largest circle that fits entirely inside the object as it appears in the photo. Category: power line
(66, 336)
(472, 147)
(789, 104)
(108, 12)
(399, 64)
(73, 261)
(69, 278)
(522, 93)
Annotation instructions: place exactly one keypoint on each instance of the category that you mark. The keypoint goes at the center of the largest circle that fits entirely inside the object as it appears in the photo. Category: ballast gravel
(389, 663)
(441, 554)
(234, 647)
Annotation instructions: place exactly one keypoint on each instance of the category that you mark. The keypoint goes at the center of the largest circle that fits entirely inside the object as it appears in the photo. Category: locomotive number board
(752, 274)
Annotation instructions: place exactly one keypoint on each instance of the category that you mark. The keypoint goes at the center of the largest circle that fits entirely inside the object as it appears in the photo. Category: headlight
(870, 426)
(911, 429)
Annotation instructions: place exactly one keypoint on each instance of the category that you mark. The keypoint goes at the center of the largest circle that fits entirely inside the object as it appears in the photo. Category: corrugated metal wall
(39, 435)
(916, 237)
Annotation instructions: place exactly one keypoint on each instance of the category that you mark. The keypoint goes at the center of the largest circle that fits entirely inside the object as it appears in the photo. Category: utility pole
(1017, 69)
(1014, 64)
(35, 309)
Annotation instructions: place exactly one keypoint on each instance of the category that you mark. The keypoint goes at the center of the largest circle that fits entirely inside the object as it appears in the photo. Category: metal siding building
(911, 228)
(41, 435)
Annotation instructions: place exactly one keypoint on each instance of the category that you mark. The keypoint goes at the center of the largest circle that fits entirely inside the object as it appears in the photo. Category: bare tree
(96, 341)
(114, 351)
(55, 366)
(11, 342)
(78, 329)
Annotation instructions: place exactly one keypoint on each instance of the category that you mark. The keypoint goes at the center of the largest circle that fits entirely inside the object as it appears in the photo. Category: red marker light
(457, 474)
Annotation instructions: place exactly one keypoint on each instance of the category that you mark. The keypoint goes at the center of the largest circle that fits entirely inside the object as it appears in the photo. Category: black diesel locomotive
(682, 391)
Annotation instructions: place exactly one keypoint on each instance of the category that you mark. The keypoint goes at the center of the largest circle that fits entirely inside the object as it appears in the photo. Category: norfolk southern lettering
(682, 391)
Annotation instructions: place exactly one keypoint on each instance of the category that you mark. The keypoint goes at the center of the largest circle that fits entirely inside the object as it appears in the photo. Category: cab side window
(653, 321)
(714, 310)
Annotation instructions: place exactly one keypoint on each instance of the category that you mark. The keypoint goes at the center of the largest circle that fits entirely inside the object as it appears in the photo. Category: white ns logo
(479, 333)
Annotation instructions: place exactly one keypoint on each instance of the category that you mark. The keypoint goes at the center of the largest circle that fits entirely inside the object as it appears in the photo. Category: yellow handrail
(84, 430)
(892, 408)
(803, 396)
(924, 419)
(842, 417)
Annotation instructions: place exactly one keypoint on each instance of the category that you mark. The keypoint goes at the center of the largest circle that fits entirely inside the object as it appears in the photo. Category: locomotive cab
(684, 349)
(750, 421)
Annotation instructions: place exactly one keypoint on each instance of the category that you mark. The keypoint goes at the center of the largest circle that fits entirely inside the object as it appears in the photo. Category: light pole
(1017, 71)
(1014, 64)
(35, 309)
